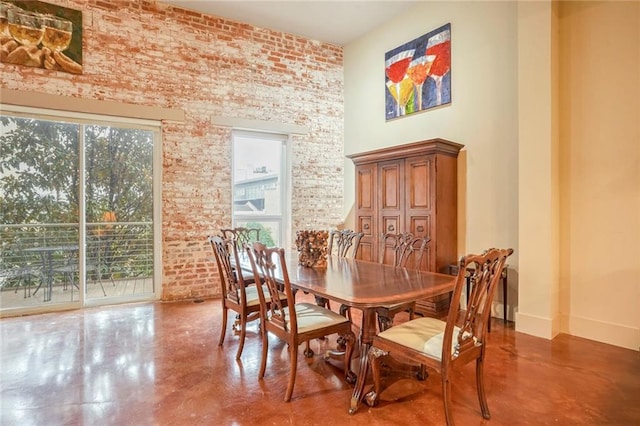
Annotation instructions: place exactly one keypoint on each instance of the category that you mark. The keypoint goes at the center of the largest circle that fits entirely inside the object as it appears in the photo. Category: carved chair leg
(243, 335)
(223, 329)
(384, 323)
(324, 302)
(265, 348)
(341, 343)
(293, 356)
(482, 398)
(236, 327)
(308, 352)
(374, 359)
(345, 311)
(446, 398)
(321, 301)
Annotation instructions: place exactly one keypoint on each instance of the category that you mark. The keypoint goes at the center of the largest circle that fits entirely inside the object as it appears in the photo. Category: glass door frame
(81, 120)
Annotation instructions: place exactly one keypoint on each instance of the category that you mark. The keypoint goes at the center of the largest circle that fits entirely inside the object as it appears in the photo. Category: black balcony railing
(114, 251)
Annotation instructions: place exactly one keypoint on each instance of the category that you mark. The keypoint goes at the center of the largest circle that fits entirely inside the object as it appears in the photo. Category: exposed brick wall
(148, 53)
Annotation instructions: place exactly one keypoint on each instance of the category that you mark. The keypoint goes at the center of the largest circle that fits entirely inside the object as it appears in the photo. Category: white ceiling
(337, 22)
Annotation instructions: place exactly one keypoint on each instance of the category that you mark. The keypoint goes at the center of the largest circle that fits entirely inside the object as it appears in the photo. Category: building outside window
(260, 184)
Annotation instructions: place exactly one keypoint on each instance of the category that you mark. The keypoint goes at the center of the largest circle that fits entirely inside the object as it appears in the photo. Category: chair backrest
(231, 279)
(485, 271)
(345, 242)
(241, 235)
(268, 264)
(403, 249)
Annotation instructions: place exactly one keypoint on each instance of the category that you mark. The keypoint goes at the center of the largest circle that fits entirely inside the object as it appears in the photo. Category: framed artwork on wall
(42, 35)
(418, 74)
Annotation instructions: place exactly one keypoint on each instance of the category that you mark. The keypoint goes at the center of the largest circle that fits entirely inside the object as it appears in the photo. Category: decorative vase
(312, 248)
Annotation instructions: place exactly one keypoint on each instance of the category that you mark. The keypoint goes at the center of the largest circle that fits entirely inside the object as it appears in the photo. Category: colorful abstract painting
(42, 35)
(418, 74)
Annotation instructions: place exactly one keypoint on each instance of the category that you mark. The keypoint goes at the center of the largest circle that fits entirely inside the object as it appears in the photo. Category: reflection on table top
(362, 284)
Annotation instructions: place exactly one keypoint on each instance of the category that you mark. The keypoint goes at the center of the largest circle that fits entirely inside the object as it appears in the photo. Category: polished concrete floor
(159, 364)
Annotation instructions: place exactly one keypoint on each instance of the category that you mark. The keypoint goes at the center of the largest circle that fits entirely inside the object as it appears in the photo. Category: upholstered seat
(424, 335)
(312, 317)
(252, 295)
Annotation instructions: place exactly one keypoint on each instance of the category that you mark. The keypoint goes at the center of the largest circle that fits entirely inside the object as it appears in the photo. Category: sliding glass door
(76, 220)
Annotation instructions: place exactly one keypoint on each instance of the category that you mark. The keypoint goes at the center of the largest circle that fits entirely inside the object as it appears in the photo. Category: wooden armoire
(410, 188)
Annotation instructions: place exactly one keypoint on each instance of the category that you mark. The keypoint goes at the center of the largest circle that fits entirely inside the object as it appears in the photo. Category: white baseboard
(587, 328)
(538, 326)
(605, 332)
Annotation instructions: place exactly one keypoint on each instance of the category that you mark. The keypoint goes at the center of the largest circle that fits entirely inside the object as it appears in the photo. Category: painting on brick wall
(42, 35)
(418, 74)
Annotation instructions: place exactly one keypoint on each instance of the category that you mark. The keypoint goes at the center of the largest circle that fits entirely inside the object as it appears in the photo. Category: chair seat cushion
(312, 317)
(422, 334)
(252, 295)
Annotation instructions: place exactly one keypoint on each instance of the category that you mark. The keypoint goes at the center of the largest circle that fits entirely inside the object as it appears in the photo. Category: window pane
(39, 189)
(38, 171)
(259, 179)
(256, 178)
(119, 209)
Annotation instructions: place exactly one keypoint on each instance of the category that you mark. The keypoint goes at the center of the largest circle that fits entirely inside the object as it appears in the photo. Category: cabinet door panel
(390, 183)
(366, 250)
(419, 225)
(365, 187)
(366, 209)
(365, 225)
(391, 224)
(419, 191)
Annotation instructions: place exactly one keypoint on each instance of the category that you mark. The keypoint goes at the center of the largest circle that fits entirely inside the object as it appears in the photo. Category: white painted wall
(482, 115)
(600, 116)
(538, 171)
(546, 100)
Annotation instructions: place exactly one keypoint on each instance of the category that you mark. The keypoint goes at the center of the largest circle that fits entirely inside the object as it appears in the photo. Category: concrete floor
(159, 364)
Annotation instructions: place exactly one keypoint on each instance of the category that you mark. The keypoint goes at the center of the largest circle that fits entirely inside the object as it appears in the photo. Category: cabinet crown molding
(429, 146)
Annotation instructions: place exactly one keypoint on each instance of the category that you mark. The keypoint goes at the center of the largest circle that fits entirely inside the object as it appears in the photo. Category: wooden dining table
(365, 286)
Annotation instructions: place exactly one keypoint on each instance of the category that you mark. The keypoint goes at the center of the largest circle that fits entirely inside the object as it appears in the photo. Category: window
(78, 208)
(260, 185)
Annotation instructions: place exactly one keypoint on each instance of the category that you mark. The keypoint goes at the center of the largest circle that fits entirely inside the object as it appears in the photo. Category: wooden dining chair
(237, 295)
(342, 243)
(444, 345)
(241, 235)
(293, 323)
(401, 250)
